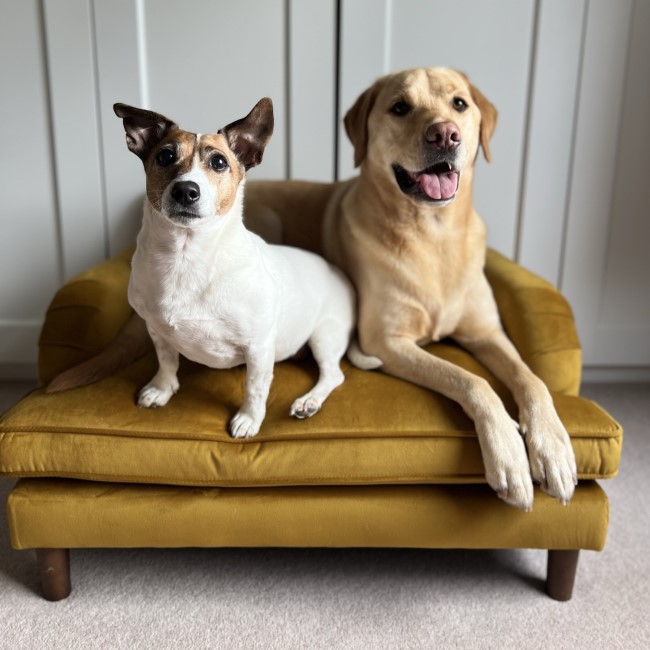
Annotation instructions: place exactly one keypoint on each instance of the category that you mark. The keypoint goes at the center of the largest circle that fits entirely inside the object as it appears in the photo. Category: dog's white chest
(185, 301)
(209, 342)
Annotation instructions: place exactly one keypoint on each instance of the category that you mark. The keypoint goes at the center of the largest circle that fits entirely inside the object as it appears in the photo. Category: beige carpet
(284, 599)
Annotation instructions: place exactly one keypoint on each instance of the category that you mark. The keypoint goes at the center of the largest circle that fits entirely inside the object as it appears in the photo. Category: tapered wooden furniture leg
(54, 567)
(561, 574)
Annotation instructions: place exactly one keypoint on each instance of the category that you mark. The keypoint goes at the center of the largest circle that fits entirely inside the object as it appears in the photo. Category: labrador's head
(421, 128)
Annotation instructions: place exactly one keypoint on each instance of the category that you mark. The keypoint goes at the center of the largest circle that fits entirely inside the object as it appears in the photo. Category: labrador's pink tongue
(439, 186)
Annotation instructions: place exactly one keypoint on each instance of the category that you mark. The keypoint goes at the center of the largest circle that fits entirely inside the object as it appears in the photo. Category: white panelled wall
(567, 193)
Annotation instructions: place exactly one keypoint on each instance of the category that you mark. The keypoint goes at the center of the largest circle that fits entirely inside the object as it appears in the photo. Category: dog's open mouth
(436, 183)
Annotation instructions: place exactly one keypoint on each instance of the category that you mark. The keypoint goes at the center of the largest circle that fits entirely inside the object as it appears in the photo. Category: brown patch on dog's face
(205, 160)
(172, 157)
(419, 129)
(213, 148)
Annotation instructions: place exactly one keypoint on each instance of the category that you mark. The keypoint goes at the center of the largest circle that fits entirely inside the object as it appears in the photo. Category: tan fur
(418, 270)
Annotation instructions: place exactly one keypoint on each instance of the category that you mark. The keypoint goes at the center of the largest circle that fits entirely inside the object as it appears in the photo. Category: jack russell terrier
(211, 290)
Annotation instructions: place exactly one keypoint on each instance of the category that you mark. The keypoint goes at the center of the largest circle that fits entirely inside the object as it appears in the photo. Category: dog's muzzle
(186, 193)
(183, 207)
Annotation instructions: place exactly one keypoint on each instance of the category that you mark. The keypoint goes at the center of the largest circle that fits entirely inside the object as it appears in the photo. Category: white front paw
(305, 407)
(152, 396)
(506, 465)
(244, 425)
(552, 461)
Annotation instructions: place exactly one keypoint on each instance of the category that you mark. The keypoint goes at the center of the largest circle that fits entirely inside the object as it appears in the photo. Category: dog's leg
(164, 383)
(552, 461)
(259, 375)
(328, 344)
(504, 453)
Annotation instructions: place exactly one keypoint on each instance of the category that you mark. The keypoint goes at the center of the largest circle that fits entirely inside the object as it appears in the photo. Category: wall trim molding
(18, 371)
(615, 375)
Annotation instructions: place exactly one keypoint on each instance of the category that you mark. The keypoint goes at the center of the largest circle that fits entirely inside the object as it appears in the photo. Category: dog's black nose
(186, 192)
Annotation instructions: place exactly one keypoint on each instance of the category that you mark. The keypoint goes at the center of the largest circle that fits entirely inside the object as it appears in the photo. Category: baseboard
(10, 371)
(615, 374)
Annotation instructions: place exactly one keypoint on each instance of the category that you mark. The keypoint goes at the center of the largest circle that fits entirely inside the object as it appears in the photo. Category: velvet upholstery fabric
(374, 429)
(539, 321)
(385, 463)
(85, 315)
(60, 513)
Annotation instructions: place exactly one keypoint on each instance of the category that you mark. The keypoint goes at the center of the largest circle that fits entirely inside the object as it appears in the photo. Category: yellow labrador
(406, 232)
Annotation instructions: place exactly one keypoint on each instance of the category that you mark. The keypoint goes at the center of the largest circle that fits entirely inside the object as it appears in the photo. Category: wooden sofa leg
(54, 567)
(561, 574)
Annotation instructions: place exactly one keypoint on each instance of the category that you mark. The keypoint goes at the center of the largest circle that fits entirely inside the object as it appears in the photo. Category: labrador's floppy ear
(249, 136)
(144, 129)
(356, 122)
(488, 116)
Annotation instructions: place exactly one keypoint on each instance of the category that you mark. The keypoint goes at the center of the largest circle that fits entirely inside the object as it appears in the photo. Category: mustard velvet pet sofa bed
(384, 464)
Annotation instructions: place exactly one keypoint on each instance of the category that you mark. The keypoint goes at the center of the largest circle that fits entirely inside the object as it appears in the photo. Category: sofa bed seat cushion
(374, 429)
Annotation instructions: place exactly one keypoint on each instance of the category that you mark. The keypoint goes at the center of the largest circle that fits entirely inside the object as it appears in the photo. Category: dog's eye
(400, 108)
(218, 163)
(460, 104)
(165, 157)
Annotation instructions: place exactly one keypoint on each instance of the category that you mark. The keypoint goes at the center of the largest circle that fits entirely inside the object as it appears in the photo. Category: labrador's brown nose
(443, 135)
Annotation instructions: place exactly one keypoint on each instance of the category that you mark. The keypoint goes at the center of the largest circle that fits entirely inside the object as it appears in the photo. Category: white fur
(219, 295)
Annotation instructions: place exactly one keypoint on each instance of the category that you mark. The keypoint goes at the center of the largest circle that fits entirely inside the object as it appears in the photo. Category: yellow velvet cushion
(374, 429)
(60, 513)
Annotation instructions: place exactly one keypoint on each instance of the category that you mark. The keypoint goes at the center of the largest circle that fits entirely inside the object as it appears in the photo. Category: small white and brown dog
(211, 290)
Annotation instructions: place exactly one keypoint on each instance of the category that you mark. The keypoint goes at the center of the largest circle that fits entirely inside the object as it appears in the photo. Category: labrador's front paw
(552, 461)
(506, 465)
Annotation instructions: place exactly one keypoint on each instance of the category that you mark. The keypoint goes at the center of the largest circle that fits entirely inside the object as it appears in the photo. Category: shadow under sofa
(384, 464)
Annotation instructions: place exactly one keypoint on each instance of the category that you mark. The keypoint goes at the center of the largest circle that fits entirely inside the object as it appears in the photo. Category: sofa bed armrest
(539, 321)
(86, 314)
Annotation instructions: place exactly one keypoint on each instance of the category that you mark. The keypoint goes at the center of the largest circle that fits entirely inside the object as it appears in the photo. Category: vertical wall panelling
(469, 35)
(118, 32)
(71, 69)
(143, 62)
(208, 63)
(202, 63)
(311, 82)
(567, 193)
(29, 244)
(363, 32)
(594, 164)
(551, 125)
(623, 332)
